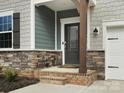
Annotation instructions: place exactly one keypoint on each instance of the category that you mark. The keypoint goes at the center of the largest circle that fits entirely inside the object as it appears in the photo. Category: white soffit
(58, 5)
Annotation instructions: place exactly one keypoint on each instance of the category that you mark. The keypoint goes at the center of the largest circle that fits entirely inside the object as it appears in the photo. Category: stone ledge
(67, 73)
(53, 80)
(29, 50)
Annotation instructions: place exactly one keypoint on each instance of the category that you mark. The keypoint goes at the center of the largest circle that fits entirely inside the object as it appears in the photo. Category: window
(6, 31)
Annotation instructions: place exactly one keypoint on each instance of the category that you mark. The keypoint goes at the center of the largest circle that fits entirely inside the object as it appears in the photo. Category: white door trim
(105, 25)
(32, 25)
(55, 30)
(63, 22)
(88, 28)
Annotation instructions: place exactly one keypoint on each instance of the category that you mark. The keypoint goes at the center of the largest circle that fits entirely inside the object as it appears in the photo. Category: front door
(72, 43)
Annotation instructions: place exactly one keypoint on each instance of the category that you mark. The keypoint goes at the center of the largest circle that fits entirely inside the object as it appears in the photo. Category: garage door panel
(115, 53)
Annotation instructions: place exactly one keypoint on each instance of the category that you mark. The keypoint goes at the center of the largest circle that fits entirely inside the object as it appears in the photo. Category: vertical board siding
(22, 7)
(105, 10)
(44, 28)
(60, 15)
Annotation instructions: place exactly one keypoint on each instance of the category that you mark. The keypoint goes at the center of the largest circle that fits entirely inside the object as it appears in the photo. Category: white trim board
(105, 26)
(38, 2)
(6, 13)
(32, 25)
(10, 49)
(55, 30)
(88, 28)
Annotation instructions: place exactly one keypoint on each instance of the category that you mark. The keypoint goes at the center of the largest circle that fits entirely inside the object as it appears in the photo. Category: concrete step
(53, 80)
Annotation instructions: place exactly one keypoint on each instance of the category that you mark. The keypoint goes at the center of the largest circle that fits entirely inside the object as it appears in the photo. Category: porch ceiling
(58, 5)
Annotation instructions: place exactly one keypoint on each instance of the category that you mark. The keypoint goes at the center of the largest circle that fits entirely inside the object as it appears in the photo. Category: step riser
(53, 81)
(71, 78)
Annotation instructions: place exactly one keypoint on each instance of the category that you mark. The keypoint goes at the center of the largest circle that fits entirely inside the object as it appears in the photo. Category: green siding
(60, 15)
(44, 28)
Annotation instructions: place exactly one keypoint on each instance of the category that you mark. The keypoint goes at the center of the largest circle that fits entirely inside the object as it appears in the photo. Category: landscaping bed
(19, 82)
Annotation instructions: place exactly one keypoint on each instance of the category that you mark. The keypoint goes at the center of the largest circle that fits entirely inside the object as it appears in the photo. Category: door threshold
(70, 66)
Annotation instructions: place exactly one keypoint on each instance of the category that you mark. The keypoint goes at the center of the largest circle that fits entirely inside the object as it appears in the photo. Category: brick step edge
(53, 78)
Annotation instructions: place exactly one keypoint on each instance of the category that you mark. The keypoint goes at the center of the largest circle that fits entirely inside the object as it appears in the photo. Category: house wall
(105, 10)
(44, 28)
(30, 59)
(60, 15)
(22, 6)
(96, 61)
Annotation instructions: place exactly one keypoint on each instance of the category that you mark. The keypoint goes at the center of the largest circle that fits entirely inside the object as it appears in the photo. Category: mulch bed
(20, 82)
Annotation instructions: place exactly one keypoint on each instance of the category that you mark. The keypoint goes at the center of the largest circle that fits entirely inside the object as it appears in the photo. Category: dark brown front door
(72, 43)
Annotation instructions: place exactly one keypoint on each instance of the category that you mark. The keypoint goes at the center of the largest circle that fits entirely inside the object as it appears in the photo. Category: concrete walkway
(106, 87)
(49, 88)
(97, 87)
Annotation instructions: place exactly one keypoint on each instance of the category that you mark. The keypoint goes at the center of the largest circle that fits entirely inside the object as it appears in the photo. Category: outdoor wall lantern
(96, 31)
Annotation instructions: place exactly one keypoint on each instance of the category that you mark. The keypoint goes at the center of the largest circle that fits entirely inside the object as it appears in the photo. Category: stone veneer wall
(28, 59)
(96, 61)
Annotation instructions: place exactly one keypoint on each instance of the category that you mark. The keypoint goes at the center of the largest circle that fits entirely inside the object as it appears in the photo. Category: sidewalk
(96, 87)
(50, 88)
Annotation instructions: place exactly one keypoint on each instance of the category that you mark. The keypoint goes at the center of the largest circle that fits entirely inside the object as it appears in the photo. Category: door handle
(113, 67)
(64, 42)
(113, 38)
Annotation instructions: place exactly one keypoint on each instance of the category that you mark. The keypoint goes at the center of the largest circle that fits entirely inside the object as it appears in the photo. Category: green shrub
(10, 74)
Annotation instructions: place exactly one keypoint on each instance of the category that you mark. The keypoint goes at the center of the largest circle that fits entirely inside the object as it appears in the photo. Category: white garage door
(115, 53)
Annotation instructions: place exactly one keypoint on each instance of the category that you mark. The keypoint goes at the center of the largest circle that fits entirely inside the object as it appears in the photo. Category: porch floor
(64, 70)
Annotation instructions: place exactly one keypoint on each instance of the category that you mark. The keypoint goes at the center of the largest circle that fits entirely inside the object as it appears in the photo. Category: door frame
(63, 22)
(107, 24)
(76, 62)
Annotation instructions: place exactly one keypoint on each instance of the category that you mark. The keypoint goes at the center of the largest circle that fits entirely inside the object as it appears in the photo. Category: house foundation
(33, 59)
